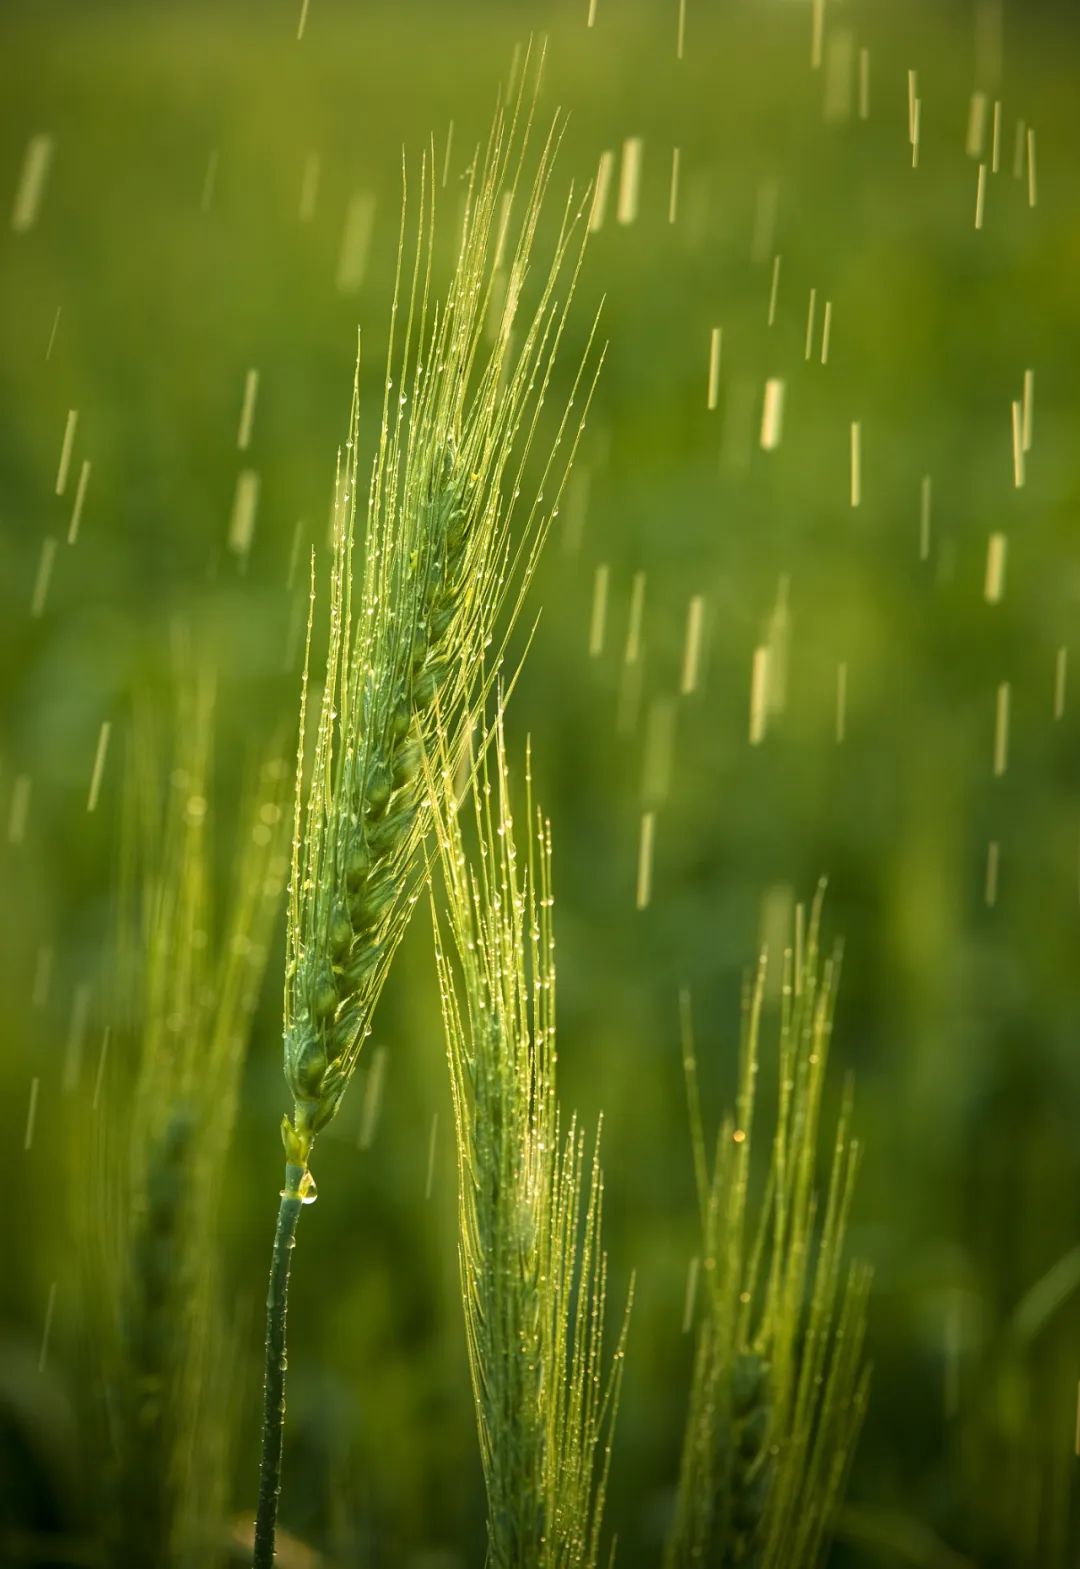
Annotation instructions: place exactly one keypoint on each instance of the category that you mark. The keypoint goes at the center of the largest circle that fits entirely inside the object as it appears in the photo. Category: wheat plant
(183, 995)
(779, 1382)
(452, 528)
(533, 1272)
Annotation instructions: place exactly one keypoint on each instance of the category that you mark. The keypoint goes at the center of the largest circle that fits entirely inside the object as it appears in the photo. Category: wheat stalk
(447, 559)
(533, 1274)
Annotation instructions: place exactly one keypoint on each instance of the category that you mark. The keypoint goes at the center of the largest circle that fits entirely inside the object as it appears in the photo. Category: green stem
(274, 1385)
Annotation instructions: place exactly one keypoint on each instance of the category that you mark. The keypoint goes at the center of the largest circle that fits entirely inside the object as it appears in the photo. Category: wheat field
(802, 608)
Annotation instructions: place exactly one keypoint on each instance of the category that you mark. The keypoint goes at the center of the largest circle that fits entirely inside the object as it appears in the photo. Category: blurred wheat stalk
(184, 992)
(533, 1274)
(449, 550)
(779, 1383)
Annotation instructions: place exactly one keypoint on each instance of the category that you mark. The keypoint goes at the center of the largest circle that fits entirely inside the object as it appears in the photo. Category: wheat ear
(447, 559)
(184, 994)
(779, 1383)
(533, 1274)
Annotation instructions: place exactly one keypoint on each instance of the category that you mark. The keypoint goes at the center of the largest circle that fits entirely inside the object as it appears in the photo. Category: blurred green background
(204, 163)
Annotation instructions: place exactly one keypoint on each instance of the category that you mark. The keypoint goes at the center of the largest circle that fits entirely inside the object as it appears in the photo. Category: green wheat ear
(533, 1275)
(446, 562)
(449, 550)
(779, 1383)
(185, 989)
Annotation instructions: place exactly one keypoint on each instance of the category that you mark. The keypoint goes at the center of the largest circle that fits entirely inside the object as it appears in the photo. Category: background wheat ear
(779, 1383)
(451, 535)
(183, 994)
(530, 1197)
